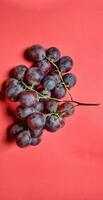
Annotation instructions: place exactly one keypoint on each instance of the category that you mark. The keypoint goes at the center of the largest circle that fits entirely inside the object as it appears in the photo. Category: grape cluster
(40, 89)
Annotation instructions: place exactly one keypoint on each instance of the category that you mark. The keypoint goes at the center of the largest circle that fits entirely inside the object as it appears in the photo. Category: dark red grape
(40, 106)
(33, 76)
(36, 120)
(56, 76)
(53, 53)
(12, 89)
(70, 80)
(23, 139)
(51, 106)
(36, 53)
(66, 109)
(19, 72)
(53, 123)
(65, 64)
(59, 91)
(49, 82)
(28, 98)
(15, 129)
(36, 132)
(22, 113)
(44, 66)
(35, 141)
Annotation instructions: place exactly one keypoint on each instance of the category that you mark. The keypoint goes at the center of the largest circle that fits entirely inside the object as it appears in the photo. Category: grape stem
(41, 96)
(60, 75)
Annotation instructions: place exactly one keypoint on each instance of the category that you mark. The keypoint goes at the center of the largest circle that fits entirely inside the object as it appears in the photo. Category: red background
(67, 165)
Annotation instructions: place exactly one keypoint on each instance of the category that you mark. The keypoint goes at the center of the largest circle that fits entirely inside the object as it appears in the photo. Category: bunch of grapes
(40, 89)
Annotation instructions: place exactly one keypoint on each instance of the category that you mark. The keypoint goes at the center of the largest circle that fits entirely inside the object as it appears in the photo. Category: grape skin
(53, 53)
(53, 123)
(33, 76)
(49, 82)
(28, 98)
(59, 91)
(56, 76)
(70, 80)
(51, 106)
(40, 106)
(36, 120)
(36, 53)
(22, 113)
(44, 66)
(15, 129)
(36, 133)
(23, 139)
(12, 89)
(65, 64)
(19, 72)
(35, 141)
(66, 109)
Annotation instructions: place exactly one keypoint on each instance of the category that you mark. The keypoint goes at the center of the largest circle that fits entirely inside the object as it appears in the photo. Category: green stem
(59, 72)
(41, 96)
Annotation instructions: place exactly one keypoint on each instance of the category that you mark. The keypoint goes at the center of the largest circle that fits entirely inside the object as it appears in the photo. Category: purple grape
(44, 66)
(12, 89)
(53, 123)
(53, 53)
(59, 91)
(36, 120)
(28, 98)
(49, 82)
(70, 80)
(51, 106)
(22, 113)
(15, 129)
(19, 72)
(36, 133)
(35, 141)
(65, 64)
(23, 139)
(56, 76)
(36, 53)
(66, 109)
(33, 76)
(40, 106)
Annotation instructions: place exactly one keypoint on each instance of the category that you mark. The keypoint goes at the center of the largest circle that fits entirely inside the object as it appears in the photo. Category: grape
(11, 82)
(49, 82)
(35, 141)
(59, 91)
(44, 66)
(70, 80)
(36, 132)
(66, 109)
(45, 92)
(53, 123)
(15, 129)
(33, 76)
(53, 53)
(40, 106)
(65, 64)
(22, 113)
(19, 72)
(56, 76)
(36, 53)
(51, 106)
(36, 120)
(28, 98)
(23, 139)
(12, 89)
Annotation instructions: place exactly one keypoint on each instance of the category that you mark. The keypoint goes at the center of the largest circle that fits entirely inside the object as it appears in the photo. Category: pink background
(67, 165)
